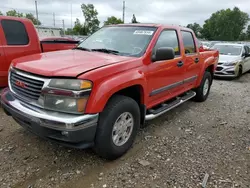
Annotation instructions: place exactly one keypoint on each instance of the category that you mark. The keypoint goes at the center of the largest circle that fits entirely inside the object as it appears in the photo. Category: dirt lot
(175, 150)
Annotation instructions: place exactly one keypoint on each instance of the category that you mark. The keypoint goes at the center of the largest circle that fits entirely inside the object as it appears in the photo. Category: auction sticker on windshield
(143, 32)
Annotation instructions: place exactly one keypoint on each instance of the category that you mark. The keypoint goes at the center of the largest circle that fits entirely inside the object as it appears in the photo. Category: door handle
(196, 60)
(180, 64)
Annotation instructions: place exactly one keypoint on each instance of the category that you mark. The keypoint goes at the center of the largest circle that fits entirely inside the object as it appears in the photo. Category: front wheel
(239, 73)
(117, 127)
(203, 90)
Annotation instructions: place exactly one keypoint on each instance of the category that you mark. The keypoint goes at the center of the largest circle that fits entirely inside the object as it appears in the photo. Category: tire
(239, 72)
(201, 95)
(104, 142)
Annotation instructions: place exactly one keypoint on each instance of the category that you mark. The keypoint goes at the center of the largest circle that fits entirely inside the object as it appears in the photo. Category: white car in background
(234, 59)
(205, 44)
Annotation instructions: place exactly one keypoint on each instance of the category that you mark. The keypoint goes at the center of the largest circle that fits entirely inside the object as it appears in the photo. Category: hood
(68, 63)
(228, 58)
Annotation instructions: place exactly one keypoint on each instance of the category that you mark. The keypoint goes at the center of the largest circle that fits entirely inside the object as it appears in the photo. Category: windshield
(124, 40)
(228, 49)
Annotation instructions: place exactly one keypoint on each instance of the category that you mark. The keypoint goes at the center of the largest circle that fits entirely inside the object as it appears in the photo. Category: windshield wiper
(105, 50)
(82, 48)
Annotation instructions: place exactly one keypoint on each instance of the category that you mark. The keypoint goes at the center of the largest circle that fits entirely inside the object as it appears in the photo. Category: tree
(69, 31)
(28, 16)
(243, 36)
(113, 20)
(91, 21)
(225, 25)
(134, 19)
(77, 27)
(196, 28)
(14, 13)
(1, 14)
(33, 19)
(248, 33)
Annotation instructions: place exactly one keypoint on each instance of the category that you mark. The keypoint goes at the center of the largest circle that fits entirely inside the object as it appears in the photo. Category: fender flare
(103, 91)
(208, 62)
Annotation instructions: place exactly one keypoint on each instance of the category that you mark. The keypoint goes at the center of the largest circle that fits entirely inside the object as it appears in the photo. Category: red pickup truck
(18, 37)
(99, 94)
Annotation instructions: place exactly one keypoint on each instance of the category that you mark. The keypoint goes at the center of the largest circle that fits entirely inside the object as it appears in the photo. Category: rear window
(188, 41)
(15, 32)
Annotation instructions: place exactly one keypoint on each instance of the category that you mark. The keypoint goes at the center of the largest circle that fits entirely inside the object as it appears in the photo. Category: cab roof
(154, 25)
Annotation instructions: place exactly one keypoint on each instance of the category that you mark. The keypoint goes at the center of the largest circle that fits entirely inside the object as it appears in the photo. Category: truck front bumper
(71, 130)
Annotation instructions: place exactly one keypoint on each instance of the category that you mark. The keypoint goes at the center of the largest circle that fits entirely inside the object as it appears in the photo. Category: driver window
(168, 38)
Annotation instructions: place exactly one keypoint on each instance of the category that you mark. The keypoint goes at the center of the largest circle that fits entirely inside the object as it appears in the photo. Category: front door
(246, 60)
(191, 60)
(165, 78)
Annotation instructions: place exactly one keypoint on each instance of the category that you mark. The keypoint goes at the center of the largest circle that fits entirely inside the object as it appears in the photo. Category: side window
(15, 32)
(188, 41)
(168, 38)
(246, 48)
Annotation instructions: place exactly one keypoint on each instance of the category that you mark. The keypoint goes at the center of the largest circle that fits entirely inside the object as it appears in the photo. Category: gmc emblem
(20, 84)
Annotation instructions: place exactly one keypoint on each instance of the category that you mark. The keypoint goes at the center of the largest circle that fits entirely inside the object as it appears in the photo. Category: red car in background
(18, 37)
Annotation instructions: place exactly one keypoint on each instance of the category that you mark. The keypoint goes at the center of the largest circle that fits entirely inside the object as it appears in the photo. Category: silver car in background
(234, 59)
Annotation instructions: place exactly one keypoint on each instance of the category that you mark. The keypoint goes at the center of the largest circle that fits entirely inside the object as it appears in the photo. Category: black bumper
(80, 135)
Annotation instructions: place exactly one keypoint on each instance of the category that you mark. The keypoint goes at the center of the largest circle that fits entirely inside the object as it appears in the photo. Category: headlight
(65, 104)
(231, 63)
(67, 95)
(70, 84)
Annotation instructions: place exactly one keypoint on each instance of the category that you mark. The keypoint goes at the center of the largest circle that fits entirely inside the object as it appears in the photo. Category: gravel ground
(175, 150)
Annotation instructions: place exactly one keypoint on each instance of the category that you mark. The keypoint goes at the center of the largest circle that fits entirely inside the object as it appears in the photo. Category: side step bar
(165, 107)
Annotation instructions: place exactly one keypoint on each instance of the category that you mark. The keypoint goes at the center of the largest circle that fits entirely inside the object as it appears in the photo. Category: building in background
(44, 31)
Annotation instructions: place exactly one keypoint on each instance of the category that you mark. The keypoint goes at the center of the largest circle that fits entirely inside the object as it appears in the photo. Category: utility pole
(71, 15)
(123, 12)
(36, 11)
(63, 27)
(54, 19)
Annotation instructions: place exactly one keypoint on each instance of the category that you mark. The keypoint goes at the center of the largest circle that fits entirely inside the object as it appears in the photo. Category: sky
(178, 12)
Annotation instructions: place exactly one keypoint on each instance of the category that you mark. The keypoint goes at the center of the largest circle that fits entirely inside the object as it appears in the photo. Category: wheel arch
(103, 92)
(209, 66)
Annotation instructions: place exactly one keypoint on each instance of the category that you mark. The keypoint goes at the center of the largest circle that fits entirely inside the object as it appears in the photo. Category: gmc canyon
(99, 94)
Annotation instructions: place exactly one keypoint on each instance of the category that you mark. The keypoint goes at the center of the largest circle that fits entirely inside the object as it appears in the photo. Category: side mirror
(163, 53)
(245, 55)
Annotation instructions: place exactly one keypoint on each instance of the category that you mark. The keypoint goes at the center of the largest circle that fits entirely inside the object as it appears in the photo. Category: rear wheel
(203, 90)
(117, 127)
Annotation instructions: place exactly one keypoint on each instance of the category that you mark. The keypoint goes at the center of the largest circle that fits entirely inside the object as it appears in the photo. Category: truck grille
(25, 86)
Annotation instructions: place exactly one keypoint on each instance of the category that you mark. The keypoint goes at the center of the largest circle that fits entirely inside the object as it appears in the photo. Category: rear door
(191, 59)
(14, 43)
(165, 78)
(3, 63)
